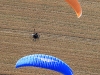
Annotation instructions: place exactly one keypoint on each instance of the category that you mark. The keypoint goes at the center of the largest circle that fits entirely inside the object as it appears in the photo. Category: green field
(74, 40)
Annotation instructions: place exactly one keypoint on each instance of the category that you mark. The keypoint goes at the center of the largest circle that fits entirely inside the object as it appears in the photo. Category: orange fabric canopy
(76, 6)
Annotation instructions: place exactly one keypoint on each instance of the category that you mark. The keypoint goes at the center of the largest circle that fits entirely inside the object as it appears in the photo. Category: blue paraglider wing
(44, 61)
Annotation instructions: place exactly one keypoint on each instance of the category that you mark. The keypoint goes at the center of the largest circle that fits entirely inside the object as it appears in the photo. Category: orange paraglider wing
(76, 6)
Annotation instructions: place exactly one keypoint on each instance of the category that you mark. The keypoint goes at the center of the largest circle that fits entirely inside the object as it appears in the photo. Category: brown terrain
(74, 40)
